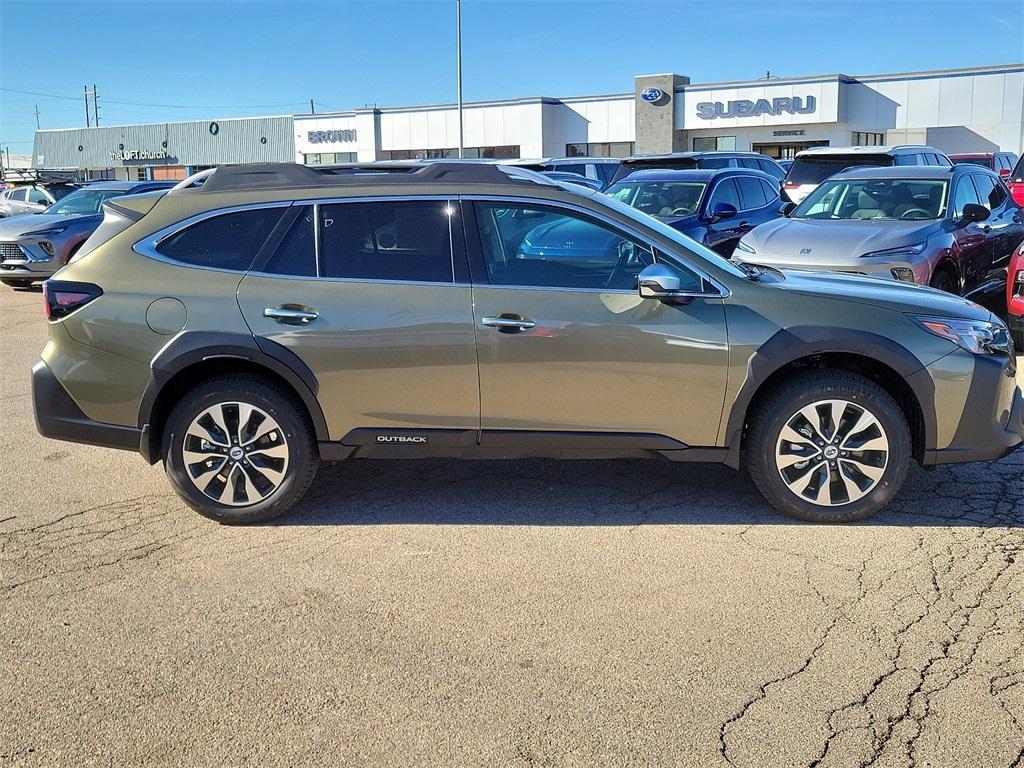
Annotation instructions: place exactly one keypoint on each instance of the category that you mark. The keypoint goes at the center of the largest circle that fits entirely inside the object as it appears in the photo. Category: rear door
(1003, 227)
(373, 295)
(568, 346)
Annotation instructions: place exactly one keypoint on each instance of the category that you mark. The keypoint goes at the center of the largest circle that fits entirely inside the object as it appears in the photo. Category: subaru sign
(795, 105)
(654, 96)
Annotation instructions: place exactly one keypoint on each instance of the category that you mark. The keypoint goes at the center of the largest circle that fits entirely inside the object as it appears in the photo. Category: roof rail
(289, 175)
(38, 175)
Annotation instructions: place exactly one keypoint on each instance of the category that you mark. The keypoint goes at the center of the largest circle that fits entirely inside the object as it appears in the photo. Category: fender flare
(788, 345)
(191, 347)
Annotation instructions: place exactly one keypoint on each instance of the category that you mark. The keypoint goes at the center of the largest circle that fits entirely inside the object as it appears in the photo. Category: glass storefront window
(714, 143)
(329, 158)
(600, 149)
(866, 139)
(508, 151)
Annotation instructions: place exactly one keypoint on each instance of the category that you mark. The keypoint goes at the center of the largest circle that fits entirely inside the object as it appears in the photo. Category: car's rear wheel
(238, 449)
(945, 280)
(828, 447)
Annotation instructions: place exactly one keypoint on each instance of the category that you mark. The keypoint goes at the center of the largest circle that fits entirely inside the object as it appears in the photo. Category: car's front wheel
(238, 450)
(828, 446)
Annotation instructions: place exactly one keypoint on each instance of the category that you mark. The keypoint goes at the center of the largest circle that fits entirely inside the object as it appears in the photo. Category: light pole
(458, 59)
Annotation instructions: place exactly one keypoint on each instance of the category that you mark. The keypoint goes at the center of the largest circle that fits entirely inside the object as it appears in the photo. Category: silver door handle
(507, 322)
(291, 315)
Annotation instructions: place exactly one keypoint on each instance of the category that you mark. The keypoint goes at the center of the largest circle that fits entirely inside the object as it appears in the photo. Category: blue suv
(714, 207)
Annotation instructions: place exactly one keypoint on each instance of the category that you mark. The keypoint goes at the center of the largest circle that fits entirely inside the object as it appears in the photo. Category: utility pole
(95, 106)
(85, 94)
(37, 117)
(312, 109)
(458, 58)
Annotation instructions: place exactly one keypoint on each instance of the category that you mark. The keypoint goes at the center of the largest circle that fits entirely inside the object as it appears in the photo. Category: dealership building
(978, 109)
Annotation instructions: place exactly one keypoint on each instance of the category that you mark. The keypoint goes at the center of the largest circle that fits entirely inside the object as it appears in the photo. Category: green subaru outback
(256, 320)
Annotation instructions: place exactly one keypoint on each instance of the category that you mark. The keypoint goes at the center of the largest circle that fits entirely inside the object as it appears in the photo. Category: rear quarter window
(223, 241)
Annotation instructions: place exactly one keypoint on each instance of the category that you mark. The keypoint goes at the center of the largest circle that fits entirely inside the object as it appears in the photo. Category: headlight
(902, 252)
(976, 336)
(742, 246)
(49, 232)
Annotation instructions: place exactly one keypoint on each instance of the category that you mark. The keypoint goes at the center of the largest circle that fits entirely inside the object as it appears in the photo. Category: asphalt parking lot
(529, 613)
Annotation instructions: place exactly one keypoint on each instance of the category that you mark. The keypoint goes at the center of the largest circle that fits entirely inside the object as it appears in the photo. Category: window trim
(147, 246)
(721, 291)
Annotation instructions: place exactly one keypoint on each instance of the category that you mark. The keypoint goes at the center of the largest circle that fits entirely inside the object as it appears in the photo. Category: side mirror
(656, 281)
(787, 209)
(722, 211)
(972, 212)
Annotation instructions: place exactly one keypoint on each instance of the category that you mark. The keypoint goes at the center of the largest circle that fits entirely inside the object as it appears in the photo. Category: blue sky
(195, 59)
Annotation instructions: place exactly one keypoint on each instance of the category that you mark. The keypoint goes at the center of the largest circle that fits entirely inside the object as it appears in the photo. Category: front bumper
(887, 268)
(59, 417)
(992, 422)
(26, 259)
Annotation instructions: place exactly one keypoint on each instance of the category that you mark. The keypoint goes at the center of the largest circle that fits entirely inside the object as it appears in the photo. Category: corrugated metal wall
(200, 142)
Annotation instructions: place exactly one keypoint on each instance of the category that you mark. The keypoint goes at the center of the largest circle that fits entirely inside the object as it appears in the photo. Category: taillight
(1015, 283)
(1017, 191)
(62, 297)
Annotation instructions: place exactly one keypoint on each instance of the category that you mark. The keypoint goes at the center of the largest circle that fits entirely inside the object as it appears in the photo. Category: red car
(1015, 181)
(1015, 298)
(999, 162)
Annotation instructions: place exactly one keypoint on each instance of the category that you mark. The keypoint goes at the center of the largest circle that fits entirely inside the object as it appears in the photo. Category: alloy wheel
(832, 452)
(235, 453)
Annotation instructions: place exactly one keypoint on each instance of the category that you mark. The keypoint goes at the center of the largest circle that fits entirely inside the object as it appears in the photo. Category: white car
(812, 166)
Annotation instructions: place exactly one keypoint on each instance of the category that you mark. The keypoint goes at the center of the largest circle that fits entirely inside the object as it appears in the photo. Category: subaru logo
(806, 251)
(654, 96)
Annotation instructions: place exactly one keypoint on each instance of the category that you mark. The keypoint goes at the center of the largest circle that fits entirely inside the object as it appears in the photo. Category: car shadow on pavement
(624, 493)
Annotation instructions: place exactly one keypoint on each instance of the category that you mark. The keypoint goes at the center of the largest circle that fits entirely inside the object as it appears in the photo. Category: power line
(162, 106)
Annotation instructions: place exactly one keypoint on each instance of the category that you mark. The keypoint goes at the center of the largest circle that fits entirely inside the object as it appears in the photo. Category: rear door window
(224, 241)
(408, 240)
(751, 193)
(771, 169)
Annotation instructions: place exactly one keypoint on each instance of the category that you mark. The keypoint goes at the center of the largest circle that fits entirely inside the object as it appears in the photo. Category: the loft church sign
(794, 105)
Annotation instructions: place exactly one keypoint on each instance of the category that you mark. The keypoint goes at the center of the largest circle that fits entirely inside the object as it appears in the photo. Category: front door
(374, 298)
(567, 345)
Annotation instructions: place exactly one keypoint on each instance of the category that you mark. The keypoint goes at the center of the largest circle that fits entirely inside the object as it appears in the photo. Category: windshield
(659, 198)
(910, 199)
(692, 246)
(83, 201)
(814, 170)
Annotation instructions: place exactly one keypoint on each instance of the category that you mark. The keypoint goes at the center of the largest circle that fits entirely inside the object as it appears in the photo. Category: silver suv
(812, 166)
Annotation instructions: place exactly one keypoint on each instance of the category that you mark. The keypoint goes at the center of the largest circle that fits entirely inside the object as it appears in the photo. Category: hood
(18, 226)
(814, 242)
(879, 292)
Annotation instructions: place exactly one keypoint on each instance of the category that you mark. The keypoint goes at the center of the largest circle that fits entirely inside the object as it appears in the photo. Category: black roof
(290, 175)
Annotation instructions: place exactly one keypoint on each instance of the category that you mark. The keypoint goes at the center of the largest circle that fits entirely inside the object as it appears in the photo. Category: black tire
(280, 405)
(1017, 334)
(944, 279)
(11, 283)
(783, 402)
